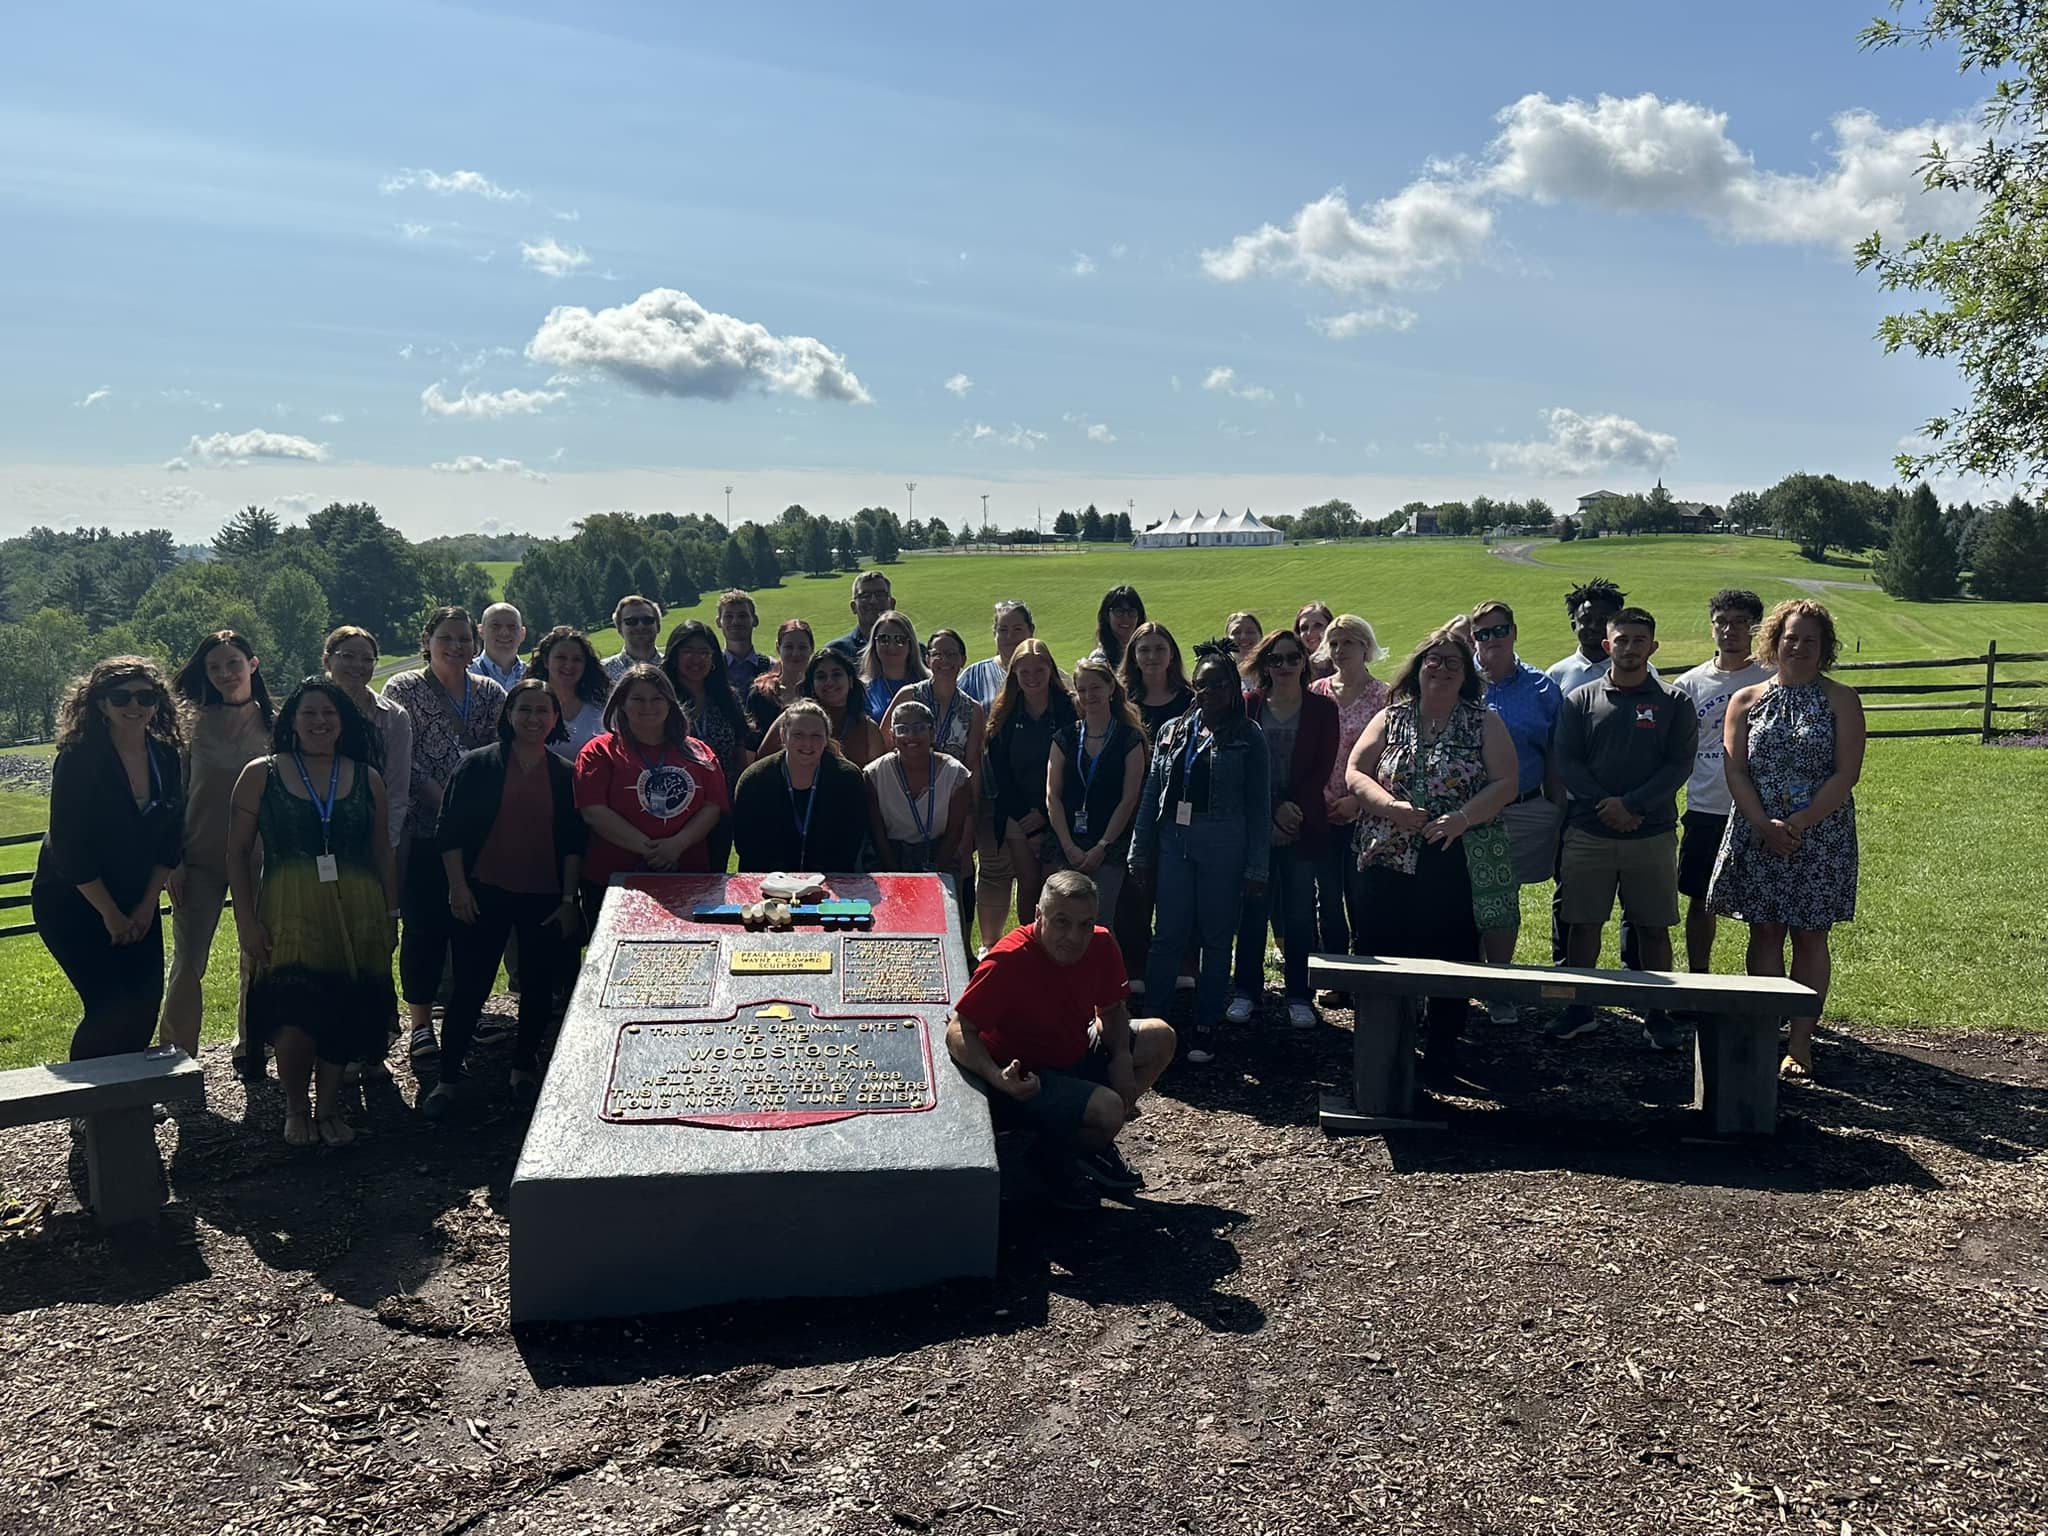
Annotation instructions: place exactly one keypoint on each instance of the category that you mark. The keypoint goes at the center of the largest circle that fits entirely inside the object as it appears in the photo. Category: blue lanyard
(803, 823)
(931, 798)
(1187, 766)
(1081, 767)
(468, 678)
(657, 762)
(324, 807)
(945, 729)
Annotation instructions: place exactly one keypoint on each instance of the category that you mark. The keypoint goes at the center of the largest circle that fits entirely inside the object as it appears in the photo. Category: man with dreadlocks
(1589, 608)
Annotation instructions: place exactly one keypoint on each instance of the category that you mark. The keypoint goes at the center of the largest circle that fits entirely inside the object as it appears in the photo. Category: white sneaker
(1183, 983)
(1302, 1016)
(1505, 1014)
(1239, 1011)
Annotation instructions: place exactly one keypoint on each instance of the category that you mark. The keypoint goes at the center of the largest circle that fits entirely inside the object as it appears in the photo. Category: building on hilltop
(1207, 530)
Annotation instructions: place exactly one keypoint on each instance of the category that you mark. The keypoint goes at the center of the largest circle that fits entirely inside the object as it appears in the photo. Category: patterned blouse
(441, 733)
(1352, 719)
(1439, 777)
(716, 731)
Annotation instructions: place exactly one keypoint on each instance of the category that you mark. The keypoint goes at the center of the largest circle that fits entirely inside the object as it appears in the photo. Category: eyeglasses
(121, 698)
(1493, 632)
(648, 622)
(1442, 663)
(921, 728)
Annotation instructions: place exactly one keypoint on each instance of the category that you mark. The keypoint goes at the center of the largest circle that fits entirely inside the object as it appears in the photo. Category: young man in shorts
(1045, 1024)
(1734, 615)
(1624, 745)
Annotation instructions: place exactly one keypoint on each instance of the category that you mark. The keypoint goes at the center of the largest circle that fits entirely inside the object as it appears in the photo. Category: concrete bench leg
(123, 1176)
(1735, 1074)
(1383, 1032)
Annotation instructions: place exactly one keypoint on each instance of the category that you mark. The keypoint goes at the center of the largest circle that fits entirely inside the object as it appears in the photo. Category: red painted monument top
(658, 906)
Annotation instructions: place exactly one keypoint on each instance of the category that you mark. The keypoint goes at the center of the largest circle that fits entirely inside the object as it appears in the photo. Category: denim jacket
(1238, 789)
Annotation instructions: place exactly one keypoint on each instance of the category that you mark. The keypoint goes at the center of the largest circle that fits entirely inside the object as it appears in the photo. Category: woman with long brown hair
(115, 840)
(1031, 711)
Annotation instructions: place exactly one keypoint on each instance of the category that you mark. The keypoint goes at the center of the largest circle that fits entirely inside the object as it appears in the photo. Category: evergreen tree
(1064, 526)
(679, 587)
(818, 547)
(646, 579)
(1091, 525)
(618, 579)
(249, 533)
(761, 558)
(885, 541)
(1920, 565)
(734, 569)
(1123, 527)
(938, 535)
(2011, 556)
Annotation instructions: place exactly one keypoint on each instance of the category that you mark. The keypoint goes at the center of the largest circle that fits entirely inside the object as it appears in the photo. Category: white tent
(1206, 530)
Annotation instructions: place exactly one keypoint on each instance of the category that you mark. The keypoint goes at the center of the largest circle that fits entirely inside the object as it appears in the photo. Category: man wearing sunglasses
(638, 621)
(1528, 703)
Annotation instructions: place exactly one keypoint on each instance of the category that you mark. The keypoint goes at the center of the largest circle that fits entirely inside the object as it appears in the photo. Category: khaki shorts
(1531, 826)
(992, 856)
(1643, 869)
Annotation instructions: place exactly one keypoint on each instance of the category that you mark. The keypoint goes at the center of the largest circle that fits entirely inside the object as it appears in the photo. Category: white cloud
(332, 419)
(484, 405)
(1083, 264)
(1641, 154)
(960, 384)
(189, 397)
(1118, 249)
(473, 182)
(240, 447)
(295, 503)
(1098, 433)
(1638, 154)
(551, 257)
(1027, 438)
(95, 397)
(472, 464)
(1578, 445)
(415, 231)
(177, 466)
(1374, 317)
(1414, 240)
(406, 351)
(1324, 438)
(565, 215)
(666, 343)
(1174, 380)
(1224, 380)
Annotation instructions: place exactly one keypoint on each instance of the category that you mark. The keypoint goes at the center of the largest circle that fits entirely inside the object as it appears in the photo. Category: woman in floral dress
(1787, 865)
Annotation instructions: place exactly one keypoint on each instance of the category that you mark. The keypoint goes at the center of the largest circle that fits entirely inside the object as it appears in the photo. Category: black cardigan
(96, 833)
(764, 823)
(478, 789)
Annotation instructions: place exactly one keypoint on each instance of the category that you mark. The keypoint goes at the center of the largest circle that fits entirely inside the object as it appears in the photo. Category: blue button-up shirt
(741, 671)
(504, 676)
(1527, 702)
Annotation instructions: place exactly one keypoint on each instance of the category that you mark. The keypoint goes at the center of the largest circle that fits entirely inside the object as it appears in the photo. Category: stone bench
(1735, 1057)
(114, 1096)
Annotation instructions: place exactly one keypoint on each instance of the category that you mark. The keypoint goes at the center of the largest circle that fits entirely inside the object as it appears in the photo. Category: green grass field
(1947, 936)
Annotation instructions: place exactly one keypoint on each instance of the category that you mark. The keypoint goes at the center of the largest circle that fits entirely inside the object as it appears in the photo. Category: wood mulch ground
(1557, 1316)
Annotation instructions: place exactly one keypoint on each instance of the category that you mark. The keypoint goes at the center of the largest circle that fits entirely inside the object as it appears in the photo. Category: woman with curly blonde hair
(115, 842)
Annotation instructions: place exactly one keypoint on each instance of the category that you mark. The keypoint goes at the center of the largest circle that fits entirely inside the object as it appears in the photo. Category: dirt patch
(1557, 1316)
(1519, 552)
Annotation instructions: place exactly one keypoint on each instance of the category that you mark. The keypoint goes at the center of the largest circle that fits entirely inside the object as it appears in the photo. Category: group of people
(473, 811)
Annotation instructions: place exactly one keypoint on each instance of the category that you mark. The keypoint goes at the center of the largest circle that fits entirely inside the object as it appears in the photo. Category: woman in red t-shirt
(648, 791)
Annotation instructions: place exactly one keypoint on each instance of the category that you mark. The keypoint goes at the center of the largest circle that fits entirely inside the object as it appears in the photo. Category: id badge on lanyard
(1184, 813)
(325, 864)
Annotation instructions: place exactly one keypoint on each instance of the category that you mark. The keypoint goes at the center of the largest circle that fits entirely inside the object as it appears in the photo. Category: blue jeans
(1199, 878)
(1336, 918)
(1290, 904)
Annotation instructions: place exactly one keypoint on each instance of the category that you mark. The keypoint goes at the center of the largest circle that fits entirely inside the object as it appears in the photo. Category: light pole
(911, 487)
(728, 509)
(984, 516)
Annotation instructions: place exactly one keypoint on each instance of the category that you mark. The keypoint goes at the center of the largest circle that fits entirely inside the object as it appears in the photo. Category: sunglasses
(1493, 632)
(1286, 658)
(892, 640)
(919, 729)
(646, 623)
(121, 698)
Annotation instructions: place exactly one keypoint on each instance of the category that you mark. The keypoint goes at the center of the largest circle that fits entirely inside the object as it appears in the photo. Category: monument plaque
(768, 1066)
(725, 1118)
(655, 973)
(895, 971)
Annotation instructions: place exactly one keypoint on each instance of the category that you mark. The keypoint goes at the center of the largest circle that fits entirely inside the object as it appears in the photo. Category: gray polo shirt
(1637, 743)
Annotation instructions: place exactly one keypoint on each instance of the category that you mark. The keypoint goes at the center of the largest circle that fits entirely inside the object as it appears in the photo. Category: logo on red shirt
(1646, 717)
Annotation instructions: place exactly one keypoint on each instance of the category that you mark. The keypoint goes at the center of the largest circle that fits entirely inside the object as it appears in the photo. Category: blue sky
(437, 257)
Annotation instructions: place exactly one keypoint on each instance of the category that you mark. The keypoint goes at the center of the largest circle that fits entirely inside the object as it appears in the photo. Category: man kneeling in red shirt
(1045, 1023)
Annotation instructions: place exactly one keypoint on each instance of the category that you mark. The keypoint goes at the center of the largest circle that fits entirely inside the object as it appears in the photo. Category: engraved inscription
(765, 1061)
(661, 973)
(775, 962)
(895, 971)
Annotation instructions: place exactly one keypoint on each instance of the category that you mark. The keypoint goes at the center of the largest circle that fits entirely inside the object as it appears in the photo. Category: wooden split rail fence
(1990, 699)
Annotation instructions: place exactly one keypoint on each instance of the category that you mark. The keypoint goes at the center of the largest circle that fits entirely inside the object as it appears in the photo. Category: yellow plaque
(771, 962)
